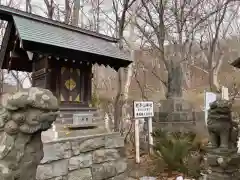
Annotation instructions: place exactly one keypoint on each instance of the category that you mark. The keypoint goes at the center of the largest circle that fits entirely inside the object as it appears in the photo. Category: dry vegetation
(153, 165)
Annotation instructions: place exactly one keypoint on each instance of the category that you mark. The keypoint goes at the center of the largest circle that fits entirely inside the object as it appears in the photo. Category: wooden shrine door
(70, 85)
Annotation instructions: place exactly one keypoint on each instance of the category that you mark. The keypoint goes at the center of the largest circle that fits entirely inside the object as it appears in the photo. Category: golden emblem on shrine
(70, 84)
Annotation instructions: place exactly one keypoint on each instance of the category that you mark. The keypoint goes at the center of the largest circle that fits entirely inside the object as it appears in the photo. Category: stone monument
(222, 157)
(22, 119)
(175, 113)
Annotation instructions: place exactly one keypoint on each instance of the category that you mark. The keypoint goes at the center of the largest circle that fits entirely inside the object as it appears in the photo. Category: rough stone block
(59, 178)
(160, 116)
(179, 116)
(75, 148)
(44, 172)
(108, 169)
(53, 152)
(81, 161)
(148, 178)
(122, 151)
(103, 171)
(173, 105)
(55, 169)
(91, 144)
(121, 177)
(80, 174)
(121, 166)
(114, 141)
(104, 155)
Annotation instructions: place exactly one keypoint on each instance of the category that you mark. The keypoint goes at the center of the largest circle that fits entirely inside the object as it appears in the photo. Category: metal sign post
(142, 109)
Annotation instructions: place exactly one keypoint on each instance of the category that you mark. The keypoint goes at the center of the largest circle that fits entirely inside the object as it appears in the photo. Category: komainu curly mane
(22, 119)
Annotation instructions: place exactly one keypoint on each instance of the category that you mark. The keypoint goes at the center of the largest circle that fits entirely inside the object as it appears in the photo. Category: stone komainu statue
(22, 119)
(223, 131)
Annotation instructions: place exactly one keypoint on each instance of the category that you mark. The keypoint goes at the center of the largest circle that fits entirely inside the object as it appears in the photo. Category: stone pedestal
(223, 165)
(66, 115)
(222, 157)
(175, 114)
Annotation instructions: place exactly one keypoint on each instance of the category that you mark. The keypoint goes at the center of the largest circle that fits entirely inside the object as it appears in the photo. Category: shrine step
(98, 121)
(66, 114)
(67, 117)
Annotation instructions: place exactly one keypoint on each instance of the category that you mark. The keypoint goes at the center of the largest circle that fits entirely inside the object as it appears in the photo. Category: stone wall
(95, 157)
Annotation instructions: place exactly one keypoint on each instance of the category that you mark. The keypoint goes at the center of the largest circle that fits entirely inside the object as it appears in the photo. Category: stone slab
(81, 161)
(104, 155)
(114, 141)
(81, 126)
(80, 174)
(174, 105)
(53, 152)
(108, 169)
(54, 169)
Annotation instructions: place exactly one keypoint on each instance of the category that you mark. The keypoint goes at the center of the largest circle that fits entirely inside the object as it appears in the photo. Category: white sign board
(225, 94)
(209, 98)
(143, 109)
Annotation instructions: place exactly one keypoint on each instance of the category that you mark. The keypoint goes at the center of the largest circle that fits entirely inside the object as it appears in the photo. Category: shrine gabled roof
(40, 32)
(36, 31)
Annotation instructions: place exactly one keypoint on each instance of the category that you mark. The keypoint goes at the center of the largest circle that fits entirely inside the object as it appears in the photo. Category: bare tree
(28, 6)
(67, 11)
(50, 8)
(120, 17)
(76, 9)
(212, 41)
(170, 28)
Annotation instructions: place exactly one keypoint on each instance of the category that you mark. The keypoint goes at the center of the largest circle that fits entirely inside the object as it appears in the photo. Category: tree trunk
(67, 12)
(213, 76)
(28, 6)
(50, 8)
(118, 111)
(76, 9)
(213, 81)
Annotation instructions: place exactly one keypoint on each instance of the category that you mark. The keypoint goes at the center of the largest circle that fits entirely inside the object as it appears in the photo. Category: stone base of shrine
(90, 157)
(66, 115)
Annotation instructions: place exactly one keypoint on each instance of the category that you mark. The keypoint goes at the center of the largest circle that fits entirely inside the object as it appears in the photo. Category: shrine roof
(38, 32)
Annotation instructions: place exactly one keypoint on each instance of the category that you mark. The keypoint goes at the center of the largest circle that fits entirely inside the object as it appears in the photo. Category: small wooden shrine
(59, 56)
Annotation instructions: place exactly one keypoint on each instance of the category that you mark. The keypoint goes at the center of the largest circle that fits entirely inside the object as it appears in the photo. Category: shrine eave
(47, 37)
(73, 55)
(236, 63)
